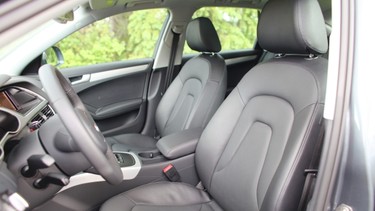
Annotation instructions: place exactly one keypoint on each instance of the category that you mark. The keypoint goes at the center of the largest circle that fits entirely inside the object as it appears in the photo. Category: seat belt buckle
(171, 173)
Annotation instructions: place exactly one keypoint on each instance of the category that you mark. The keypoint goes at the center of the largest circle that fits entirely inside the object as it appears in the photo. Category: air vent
(41, 117)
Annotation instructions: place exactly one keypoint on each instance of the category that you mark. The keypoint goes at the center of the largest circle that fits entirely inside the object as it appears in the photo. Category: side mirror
(53, 56)
(69, 16)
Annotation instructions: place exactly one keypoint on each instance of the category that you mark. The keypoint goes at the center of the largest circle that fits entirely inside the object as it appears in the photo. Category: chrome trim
(22, 119)
(85, 78)
(240, 59)
(18, 202)
(129, 172)
(117, 72)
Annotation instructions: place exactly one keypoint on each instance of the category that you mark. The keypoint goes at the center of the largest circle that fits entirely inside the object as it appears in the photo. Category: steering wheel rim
(79, 123)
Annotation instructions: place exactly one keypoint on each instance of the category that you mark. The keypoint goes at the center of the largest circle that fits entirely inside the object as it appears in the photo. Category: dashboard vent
(41, 117)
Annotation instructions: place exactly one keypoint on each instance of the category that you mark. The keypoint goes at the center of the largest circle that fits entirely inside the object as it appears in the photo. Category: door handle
(80, 79)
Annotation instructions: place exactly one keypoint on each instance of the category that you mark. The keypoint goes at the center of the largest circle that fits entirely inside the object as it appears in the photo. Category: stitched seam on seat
(226, 144)
(174, 107)
(160, 182)
(209, 79)
(239, 94)
(183, 82)
(238, 147)
(170, 205)
(130, 199)
(197, 104)
(304, 68)
(317, 82)
(265, 157)
(212, 102)
(180, 205)
(174, 104)
(210, 64)
(299, 154)
(195, 107)
(190, 110)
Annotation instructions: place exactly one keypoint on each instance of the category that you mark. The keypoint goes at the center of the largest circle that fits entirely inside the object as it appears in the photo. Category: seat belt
(172, 58)
(312, 172)
(176, 32)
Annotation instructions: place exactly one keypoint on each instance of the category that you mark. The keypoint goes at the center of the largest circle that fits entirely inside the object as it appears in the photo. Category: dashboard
(23, 109)
(6, 101)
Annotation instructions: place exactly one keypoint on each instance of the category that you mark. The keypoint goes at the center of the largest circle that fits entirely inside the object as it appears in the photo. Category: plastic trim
(129, 173)
(240, 59)
(22, 119)
(117, 72)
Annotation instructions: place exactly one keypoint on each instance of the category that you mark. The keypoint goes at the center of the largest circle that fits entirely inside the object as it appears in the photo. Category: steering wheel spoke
(79, 123)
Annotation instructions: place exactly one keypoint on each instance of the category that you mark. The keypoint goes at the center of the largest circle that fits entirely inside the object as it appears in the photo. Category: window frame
(154, 50)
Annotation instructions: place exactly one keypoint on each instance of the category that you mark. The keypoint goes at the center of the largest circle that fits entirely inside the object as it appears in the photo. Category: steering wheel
(79, 123)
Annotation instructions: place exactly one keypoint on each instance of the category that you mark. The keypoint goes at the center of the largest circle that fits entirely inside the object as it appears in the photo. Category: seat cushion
(162, 196)
(131, 142)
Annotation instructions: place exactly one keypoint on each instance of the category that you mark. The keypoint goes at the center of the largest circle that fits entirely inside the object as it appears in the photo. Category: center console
(138, 168)
(147, 166)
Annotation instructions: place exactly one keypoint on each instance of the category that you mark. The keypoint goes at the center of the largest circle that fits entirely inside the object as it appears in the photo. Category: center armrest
(179, 144)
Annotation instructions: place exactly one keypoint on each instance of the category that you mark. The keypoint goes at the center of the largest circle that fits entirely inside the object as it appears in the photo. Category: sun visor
(102, 4)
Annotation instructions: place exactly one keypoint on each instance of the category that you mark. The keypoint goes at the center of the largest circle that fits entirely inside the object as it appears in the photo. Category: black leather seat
(253, 152)
(193, 96)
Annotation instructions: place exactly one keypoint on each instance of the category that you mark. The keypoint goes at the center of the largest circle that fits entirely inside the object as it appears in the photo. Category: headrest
(201, 36)
(292, 27)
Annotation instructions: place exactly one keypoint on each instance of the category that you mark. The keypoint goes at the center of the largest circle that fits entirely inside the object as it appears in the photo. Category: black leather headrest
(201, 36)
(292, 27)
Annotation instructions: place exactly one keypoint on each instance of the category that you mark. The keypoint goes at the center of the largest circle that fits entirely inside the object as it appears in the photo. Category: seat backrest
(199, 88)
(253, 152)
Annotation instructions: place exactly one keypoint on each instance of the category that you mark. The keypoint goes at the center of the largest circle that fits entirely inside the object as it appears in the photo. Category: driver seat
(253, 153)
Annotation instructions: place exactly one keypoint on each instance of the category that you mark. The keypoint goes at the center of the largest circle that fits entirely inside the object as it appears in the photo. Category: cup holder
(124, 159)
(149, 155)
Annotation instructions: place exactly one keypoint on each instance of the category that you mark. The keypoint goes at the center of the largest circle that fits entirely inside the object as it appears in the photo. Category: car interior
(215, 129)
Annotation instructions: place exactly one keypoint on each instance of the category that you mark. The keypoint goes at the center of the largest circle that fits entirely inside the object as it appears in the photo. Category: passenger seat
(193, 96)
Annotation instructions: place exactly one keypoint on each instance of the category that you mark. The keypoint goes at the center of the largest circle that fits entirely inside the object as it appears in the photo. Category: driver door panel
(113, 93)
(109, 63)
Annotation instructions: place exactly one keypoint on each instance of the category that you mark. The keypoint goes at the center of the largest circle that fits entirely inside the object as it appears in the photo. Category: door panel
(123, 47)
(238, 64)
(114, 93)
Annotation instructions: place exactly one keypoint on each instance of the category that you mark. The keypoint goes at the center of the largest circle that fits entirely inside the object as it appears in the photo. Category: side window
(131, 35)
(236, 27)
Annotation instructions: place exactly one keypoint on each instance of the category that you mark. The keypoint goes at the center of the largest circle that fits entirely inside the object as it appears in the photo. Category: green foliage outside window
(126, 36)
(134, 35)
(236, 27)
